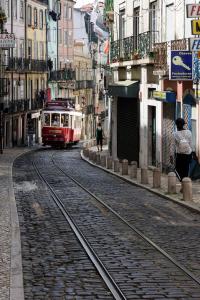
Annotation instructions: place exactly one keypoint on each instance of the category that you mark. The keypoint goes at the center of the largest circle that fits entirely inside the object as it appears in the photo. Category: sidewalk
(162, 191)
(11, 278)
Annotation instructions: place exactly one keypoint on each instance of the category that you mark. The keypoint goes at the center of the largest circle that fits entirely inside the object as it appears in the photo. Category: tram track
(164, 277)
(104, 273)
(138, 232)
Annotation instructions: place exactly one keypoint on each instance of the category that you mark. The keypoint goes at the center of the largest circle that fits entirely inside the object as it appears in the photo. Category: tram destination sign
(7, 40)
(193, 10)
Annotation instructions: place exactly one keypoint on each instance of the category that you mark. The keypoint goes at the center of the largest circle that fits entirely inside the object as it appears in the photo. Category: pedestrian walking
(182, 147)
(99, 136)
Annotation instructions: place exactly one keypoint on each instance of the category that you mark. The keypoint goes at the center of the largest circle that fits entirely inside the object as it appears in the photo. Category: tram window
(65, 120)
(46, 119)
(55, 120)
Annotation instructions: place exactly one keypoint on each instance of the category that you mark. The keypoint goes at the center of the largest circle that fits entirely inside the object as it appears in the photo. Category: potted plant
(135, 54)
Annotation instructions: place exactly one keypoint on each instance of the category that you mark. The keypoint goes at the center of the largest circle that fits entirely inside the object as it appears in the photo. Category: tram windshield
(46, 119)
(65, 120)
(55, 120)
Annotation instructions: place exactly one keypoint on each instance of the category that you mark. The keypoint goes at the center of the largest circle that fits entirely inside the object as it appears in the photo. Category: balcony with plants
(134, 47)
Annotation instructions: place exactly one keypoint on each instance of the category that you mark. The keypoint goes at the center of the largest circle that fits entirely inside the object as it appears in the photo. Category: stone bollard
(108, 162)
(98, 161)
(124, 167)
(156, 178)
(187, 189)
(133, 169)
(94, 157)
(171, 183)
(103, 160)
(144, 176)
(90, 154)
(116, 165)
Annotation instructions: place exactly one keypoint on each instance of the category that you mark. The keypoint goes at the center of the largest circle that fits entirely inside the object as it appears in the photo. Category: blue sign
(181, 65)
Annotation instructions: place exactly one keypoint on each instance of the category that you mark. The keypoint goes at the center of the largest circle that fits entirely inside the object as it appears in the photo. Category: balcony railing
(134, 47)
(22, 105)
(62, 75)
(162, 50)
(80, 84)
(26, 65)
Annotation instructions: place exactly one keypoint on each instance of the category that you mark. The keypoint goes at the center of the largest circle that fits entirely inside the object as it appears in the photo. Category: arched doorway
(190, 115)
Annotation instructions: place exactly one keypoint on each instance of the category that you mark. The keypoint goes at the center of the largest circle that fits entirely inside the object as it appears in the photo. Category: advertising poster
(181, 65)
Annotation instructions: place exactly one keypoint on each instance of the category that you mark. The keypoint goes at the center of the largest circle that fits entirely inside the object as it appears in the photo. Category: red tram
(61, 126)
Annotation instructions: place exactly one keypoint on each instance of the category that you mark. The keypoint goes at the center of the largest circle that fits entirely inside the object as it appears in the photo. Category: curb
(16, 270)
(190, 206)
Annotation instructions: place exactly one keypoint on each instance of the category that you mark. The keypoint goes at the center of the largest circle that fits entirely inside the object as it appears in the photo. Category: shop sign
(165, 96)
(35, 115)
(195, 27)
(181, 65)
(7, 40)
(193, 10)
(194, 44)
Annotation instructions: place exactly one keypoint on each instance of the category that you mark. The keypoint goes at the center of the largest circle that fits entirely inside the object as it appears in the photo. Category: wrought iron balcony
(134, 47)
(80, 84)
(62, 75)
(18, 64)
(17, 106)
(161, 52)
(90, 84)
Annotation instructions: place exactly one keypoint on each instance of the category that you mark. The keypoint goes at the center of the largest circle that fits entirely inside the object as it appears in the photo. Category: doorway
(152, 135)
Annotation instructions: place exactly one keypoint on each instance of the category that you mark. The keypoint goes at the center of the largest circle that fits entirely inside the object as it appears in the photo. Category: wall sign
(165, 96)
(181, 65)
(194, 44)
(193, 10)
(195, 27)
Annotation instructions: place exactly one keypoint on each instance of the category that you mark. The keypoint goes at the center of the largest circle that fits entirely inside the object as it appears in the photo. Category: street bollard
(187, 189)
(103, 160)
(124, 170)
(116, 165)
(108, 162)
(98, 158)
(133, 169)
(171, 183)
(144, 176)
(94, 158)
(156, 178)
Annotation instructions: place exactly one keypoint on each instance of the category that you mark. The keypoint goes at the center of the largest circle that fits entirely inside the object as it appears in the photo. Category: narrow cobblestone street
(55, 266)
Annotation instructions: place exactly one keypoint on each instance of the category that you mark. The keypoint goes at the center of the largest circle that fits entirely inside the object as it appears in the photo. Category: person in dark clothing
(99, 136)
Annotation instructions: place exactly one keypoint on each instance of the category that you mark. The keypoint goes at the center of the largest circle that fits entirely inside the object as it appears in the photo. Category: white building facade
(145, 102)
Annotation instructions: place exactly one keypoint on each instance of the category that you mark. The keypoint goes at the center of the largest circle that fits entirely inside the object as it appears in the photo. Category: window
(55, 120)
(41, 19)
(60, 36)
(70, 40)
(153, 21)
(65, 12)
(64, 120)
(136, 13)
(7, 8)
(21, 49)
(22, 10)
(29, 49)
(69, 12)
(29, 15)
(46, 119)
(122, 24)
(35, 18)
(15, 9)
(65, 37)
(36, 50)
(41, 50)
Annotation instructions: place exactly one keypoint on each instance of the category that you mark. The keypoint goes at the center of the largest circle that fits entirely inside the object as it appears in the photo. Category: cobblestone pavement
(54, 264)
(141, 272)
(10, 274)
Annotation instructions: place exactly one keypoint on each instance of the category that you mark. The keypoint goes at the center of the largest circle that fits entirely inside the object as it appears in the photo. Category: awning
(125, 88)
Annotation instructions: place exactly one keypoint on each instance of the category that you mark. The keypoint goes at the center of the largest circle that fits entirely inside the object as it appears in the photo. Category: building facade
(145, 102)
